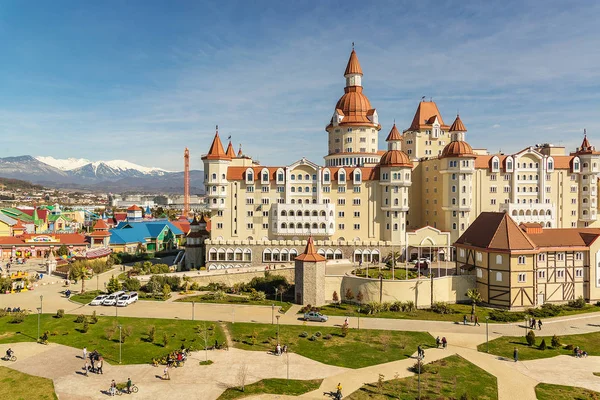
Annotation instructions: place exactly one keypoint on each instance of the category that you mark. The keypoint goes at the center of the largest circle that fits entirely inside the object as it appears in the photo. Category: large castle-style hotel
(417, 197)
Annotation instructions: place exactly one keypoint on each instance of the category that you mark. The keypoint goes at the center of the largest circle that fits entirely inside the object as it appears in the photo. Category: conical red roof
(216, 151)
(310, 254)
(394, 134)
(230, 152)
(457, 125)
(100, 224)
(353, 66)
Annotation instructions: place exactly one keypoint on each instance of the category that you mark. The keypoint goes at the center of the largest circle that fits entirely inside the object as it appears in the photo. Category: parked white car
(98, 300)
(111, 299)
(127, 299)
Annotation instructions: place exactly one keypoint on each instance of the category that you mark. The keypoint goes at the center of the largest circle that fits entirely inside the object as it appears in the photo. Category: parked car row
(120, 299)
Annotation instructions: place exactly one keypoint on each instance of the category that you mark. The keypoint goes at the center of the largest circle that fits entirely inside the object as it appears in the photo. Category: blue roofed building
(150, 236)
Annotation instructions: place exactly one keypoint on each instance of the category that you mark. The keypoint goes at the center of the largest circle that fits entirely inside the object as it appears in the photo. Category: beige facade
(429, 176)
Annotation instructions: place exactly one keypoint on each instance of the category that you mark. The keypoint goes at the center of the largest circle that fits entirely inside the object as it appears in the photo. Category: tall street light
(487, 339)
(359, 318)
(39, 310)
(193, 308)
(273, 313)
(419, 375)
(278, 328)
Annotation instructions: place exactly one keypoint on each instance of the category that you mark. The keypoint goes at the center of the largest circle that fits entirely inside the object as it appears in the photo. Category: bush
(577, 303)
(94, 318)
(506, 316)
(555, 341)
(218, 295)
(166, 291)
(543, 345)
(60, 313)
(424, 368)
(151, 334)
(86, 326)
(349, 296)
(569, 347)
(312, 338)
(165, 339)
(530, 338)
(308, 308)
(5, 284)
(304, 334)
(194, 286)
(545, 311)
(440, 307)
(18, 317)
(360, 296)
(114, 285)
(256, 295)
(158, 282)
(131, 284)
(80, 318)
(327, 337)
(318, 334)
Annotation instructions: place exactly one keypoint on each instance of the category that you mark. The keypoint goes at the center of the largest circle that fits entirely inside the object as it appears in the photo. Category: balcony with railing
(529, 212)
(303, 219)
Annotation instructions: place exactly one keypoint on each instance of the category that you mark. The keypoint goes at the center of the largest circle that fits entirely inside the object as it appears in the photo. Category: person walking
(540, 324)
(516, 354)
(532, 323)
(99, 369)
(465, 319)
(86, 367)
(338, 391)
(113, 388)
(166, 373)
(476, 321)
(129, 385)
(437, 342)
(85, 353)
(444, 342)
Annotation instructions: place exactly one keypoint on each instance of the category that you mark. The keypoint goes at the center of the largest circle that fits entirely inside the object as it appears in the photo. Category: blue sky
(141, 80)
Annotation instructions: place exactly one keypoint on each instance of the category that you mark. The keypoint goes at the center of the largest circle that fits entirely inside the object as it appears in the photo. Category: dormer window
(550, 164)
(280, 176)
(357, 177)
(342, 176)
(576, 165)
(326, 176)
(249, 176)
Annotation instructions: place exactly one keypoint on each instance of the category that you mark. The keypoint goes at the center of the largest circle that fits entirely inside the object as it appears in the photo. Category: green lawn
(459, 310)
(358, 349)
(229, 299)
(399, 273)
(545, 391)
(272, 386)
(15, 385)
(504, 346)
(136, 349)
(449, 378)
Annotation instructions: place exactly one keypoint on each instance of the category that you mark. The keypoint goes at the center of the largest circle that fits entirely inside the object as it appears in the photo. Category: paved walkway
(513, 378)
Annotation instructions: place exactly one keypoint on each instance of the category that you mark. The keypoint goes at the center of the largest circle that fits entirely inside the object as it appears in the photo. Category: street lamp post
(487, 339)
(419, 376)
(39, 310)
(287, 354)
(193, 309)
(358, 318)
(97, 283)
(120, 342)
(41, 303)
(272, 314)
(278, 328)
(526, 322)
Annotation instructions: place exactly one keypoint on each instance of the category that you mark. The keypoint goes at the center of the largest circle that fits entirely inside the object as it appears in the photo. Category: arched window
(307, 213)
(498, 259)
(323, 213)
(315, 226)
(283, 225)
(214, 176)
(307, 226)
(293, 189)
(299, 213)
(323, 226)
(283, 213)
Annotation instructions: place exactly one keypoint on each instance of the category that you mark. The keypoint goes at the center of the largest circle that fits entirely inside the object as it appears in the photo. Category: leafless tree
(242, 377)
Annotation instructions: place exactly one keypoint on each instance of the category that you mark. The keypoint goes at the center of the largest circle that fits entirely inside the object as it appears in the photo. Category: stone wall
(230, 277)
(449, 289)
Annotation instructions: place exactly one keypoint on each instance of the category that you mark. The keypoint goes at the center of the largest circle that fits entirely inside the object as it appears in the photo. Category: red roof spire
(394, 134)
(240, 154)
(230, 152)
(310, 253)
(457, 125)
(353, 66)
(585, 145)
(216, 151)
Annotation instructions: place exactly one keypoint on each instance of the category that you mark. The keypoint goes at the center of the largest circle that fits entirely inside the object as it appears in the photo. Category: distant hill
(11, 184)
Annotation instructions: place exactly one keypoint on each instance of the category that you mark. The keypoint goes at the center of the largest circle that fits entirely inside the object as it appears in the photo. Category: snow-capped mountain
(93, 174)
(70, 164)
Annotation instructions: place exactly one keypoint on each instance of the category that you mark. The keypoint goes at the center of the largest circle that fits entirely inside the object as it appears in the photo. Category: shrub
(569, 347)
(218, 295)
(256, 295)
(577, 303)
(151, 334)
(165, 339)
(360, 296)
(194, 286)
(94, 318)
(530, 338)
(415, 368)
(440, 307)
(18, 317)
(409, 306)
(114, 285)
(166, 291)
(555, 341)
(396, 306)
(543, 345)
(131, 284)
(157, 283)
(269, 283)
(44, 338)
(5, 284)
(349, 295)
(318, 334)
(80, 318)
(312, 338)
(345, 330)
(334, 297)
(545, 311)
(60, 313)
(86, 326)
(304, 334)
(506, 316)
(327, 337)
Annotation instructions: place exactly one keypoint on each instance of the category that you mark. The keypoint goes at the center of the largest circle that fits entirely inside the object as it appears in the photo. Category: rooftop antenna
(422, 98)
(352, 45)
(430, 99)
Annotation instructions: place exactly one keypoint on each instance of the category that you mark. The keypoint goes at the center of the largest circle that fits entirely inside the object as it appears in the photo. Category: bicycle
(134, 389)
(11, 358)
